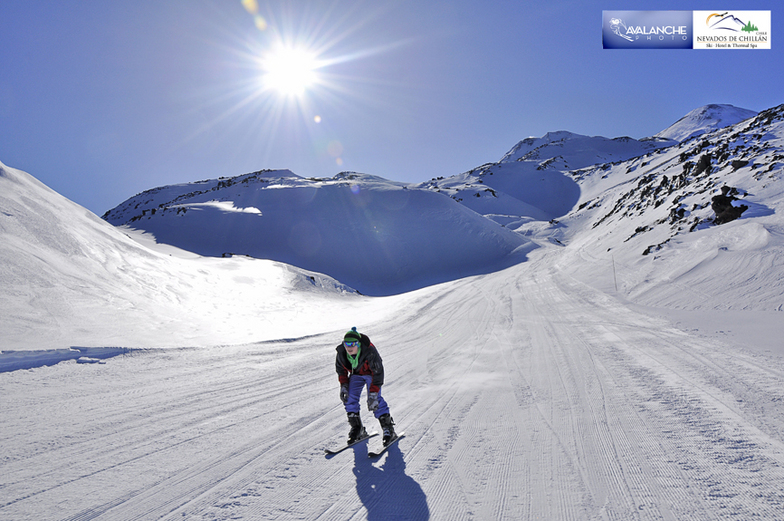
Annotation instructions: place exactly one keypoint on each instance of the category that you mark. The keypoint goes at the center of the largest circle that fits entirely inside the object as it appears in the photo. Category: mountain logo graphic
(729, 22)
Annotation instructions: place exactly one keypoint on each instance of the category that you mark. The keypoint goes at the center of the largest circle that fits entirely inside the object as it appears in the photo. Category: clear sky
(102, 99)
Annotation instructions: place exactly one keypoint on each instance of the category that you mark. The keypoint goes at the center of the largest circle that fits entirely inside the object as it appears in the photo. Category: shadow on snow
(17, 360)
(386, 491)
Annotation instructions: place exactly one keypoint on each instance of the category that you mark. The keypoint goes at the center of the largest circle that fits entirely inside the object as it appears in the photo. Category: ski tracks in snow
(168, 431)
(538, 397)
(524, 394)
(660, 425)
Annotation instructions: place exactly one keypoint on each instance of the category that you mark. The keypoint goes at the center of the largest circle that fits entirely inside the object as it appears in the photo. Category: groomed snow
(524, 394)
(587, 382)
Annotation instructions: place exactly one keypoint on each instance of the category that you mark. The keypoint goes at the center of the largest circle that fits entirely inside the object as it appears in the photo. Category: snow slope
(376, 236)
(70, 279)
(524, 394)
(654, 216)
(588, 382)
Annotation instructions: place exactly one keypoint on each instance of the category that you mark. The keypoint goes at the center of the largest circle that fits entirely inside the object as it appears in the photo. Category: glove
(343, 393)
(372, 402)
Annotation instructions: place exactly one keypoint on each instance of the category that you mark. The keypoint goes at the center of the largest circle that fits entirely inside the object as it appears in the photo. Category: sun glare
(290, 71)
(289, 74)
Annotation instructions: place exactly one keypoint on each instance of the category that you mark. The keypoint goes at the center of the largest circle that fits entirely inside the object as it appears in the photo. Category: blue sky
(103, 99)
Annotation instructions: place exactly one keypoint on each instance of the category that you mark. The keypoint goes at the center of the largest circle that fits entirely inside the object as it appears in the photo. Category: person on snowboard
(359, 365)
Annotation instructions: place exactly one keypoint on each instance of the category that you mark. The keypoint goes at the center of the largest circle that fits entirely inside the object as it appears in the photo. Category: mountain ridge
(279, 215)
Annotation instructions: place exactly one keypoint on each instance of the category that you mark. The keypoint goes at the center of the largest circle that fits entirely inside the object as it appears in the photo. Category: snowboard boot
(357, 430)
(387, 428)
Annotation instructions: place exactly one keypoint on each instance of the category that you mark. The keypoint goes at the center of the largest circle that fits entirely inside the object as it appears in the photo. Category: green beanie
(352, 336)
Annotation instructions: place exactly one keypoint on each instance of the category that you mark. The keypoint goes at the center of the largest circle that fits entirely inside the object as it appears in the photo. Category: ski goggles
(351, 344)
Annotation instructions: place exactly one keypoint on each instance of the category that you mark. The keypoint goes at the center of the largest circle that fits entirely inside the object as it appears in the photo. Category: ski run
(525, 394)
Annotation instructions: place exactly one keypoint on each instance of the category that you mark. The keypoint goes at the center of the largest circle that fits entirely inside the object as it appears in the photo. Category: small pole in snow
(615, 279)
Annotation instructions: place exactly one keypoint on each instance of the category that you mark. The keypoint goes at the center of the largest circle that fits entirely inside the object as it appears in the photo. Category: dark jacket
(369, 364)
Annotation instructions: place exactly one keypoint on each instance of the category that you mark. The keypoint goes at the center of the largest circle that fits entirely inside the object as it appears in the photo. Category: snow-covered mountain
(633, 202)
(704, 119)
(377, 236)
(383, 237)
(65, 274)
(667, 215)
(530, 181)
(567, 151)
(626, 363)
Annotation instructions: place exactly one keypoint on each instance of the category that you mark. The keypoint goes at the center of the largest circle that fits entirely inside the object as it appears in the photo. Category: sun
(289, 71)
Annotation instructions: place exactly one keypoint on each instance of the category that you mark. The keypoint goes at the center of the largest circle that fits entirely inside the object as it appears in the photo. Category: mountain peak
(705, 119)
(578, 151)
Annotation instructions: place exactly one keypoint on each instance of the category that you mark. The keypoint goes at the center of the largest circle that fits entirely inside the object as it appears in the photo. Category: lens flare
(335, 148)
(252, 6)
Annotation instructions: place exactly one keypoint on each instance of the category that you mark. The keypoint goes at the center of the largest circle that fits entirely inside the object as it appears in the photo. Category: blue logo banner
(647, 29)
